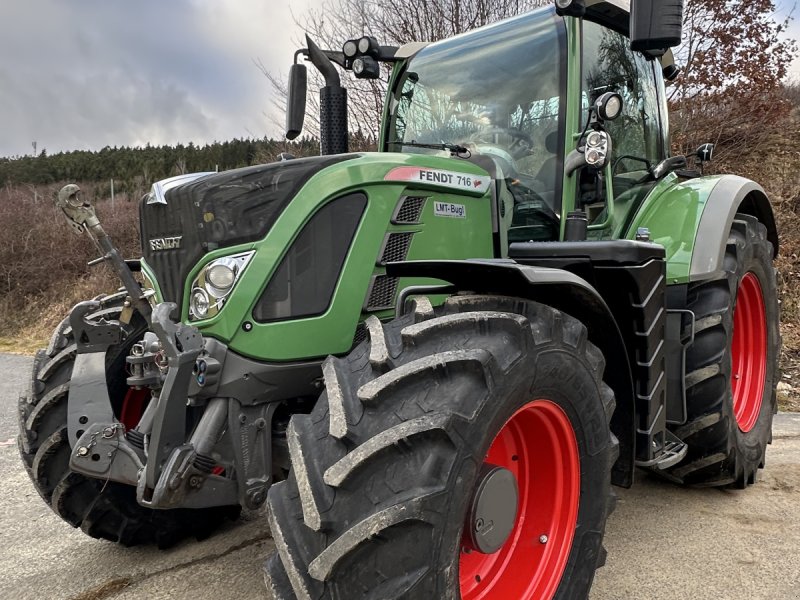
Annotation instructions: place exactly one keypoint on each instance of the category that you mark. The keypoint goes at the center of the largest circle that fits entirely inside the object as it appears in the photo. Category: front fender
(692, 219)
(563, 291)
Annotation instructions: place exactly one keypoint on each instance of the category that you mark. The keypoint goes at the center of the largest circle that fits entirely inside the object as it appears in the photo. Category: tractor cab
(520, 98)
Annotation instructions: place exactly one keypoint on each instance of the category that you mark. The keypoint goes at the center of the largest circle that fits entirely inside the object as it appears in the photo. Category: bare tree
(391, 22)
(734, 59)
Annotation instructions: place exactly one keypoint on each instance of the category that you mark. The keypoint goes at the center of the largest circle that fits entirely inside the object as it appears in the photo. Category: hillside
(43, 268)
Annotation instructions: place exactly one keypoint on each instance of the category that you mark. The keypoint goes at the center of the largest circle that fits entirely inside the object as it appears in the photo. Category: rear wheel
(463, 452)
(731, 368)
(101, 509)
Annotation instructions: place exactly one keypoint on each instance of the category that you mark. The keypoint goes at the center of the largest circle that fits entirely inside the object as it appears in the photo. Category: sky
(85, 74)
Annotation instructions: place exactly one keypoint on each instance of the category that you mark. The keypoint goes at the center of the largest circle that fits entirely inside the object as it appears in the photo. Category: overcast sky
(84, 74)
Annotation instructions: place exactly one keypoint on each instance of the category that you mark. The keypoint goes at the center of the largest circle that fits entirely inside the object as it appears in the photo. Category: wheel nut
(479, 524)
(83, 451)
(543, 539)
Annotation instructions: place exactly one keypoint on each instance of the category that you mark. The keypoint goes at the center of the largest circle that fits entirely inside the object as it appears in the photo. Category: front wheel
(461, 453)
(102, 509)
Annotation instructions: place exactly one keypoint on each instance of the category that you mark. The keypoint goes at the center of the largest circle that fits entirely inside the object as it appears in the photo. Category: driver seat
(547, 172)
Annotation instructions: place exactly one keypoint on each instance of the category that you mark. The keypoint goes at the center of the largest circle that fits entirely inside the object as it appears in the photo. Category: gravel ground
(664, 542)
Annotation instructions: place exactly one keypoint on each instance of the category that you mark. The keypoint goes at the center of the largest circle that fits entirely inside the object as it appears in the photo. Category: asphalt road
(664, 542)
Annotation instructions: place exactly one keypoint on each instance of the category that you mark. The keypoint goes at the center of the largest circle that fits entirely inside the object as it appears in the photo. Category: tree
(734, 60)
(392, 23)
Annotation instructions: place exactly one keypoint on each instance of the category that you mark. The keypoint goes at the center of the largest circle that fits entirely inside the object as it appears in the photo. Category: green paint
(574, 116)
(332, 332)
(672, 213)
(671, 210)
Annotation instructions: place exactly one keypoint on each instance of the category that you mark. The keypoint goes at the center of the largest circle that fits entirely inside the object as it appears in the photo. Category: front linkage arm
(82, 218)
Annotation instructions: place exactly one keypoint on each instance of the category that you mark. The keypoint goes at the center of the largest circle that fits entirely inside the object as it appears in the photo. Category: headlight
(198, 305)
(221, 275)
(214, 283)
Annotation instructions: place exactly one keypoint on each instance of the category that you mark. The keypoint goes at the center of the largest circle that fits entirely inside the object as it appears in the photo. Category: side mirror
(296, 100)
(656, 24)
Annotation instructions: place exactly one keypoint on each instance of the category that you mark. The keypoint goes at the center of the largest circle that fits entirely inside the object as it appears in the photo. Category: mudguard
(691, 219)
(563, 291)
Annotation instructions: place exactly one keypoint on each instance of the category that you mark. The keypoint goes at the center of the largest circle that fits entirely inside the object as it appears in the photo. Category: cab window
(610, 65)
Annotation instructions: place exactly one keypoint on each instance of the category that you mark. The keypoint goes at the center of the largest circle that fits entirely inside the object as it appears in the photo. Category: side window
(610, 65)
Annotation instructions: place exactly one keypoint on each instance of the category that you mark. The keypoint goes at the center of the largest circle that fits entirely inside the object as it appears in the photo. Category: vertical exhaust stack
(332, 104)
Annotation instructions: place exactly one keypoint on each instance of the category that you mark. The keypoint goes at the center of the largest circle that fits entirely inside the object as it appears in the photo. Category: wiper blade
(453, 148)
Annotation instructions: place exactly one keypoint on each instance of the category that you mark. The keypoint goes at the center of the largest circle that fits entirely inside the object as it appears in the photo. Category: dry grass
(43, 270)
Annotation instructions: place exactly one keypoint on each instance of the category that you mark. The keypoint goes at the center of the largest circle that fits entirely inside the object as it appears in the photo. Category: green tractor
(431, 363)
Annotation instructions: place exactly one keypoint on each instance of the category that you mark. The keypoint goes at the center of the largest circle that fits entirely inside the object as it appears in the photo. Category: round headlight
(199, 303)
(594, 139)
(365, 44)
(221, 276)
(350, 48)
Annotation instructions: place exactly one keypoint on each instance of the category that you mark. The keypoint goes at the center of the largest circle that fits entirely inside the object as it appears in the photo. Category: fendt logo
(166, 243)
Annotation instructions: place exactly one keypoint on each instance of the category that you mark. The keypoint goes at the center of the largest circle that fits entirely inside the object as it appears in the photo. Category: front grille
(381, 293)
(217, 211)
(395, 247)
(409, 210)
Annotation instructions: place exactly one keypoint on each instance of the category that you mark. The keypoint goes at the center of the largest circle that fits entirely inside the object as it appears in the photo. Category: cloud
(91, 73)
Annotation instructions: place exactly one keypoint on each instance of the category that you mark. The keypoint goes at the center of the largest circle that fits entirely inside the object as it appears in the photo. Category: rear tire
(732, 366)
(106, 510)
(384, 468)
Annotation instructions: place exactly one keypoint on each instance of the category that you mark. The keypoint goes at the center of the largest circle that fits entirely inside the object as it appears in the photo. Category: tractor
(432, 363)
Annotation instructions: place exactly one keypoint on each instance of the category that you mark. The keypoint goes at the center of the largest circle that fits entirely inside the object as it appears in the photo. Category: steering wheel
(521, 143)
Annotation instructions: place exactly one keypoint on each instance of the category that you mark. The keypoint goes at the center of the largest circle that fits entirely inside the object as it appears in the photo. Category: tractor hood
(215, 211)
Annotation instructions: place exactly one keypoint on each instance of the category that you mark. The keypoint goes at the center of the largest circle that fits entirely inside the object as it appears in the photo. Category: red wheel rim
(748, 352)
(538, 446)
(133, 407)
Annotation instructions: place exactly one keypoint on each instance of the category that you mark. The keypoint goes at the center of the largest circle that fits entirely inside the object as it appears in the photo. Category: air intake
(409, 210)
(395, 247)
(381, 293)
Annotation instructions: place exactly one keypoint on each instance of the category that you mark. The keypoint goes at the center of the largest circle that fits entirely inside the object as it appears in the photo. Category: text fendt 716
(431, 362)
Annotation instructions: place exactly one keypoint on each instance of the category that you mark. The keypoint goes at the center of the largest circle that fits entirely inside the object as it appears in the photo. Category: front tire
(732, 366)
(102, 509)
(385, 468)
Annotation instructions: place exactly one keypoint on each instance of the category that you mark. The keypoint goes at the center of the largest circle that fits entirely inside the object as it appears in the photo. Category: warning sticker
(448, 209)
(450, 179)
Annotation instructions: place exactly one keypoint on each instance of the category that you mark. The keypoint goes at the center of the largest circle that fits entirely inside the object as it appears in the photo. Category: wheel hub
(493, 509)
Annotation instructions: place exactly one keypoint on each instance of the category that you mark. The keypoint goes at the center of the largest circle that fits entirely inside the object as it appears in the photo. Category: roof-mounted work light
(368, 46)
(350, 49)
(366, 67)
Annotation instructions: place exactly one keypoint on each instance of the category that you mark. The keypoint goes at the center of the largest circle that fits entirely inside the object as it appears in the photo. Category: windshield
(495, 91)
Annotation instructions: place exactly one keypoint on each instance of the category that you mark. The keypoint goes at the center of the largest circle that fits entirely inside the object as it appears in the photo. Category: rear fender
(563, 291)
(730, 196)
(691, 219)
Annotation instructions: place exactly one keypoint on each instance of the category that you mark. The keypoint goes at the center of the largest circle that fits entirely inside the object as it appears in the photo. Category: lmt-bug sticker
(448, 209)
